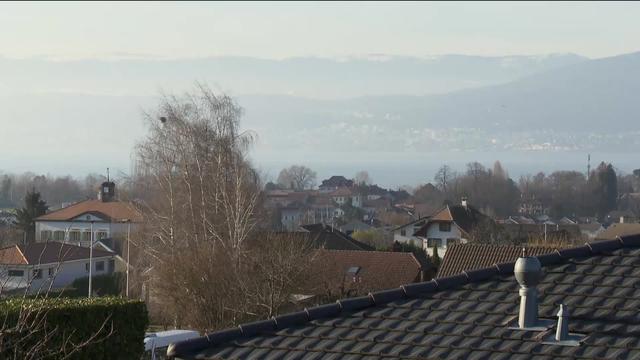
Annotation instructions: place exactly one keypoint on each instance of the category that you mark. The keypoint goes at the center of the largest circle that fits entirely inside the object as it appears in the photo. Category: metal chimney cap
(528, 271)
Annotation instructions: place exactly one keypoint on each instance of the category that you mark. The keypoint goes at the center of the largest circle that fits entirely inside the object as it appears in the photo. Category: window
(101, 234)
(403, 232)
(100, 266)
(16, 273)
(445, 227)
(74, 235)
(51, 271)
(452, 241)
(86, 236)
(434, 242)
(45, 235)
(58, 235)
(86, 267)
(37, 273)
(112, 266)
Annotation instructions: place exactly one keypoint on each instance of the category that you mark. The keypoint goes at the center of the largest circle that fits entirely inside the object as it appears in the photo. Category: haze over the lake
(395, 90)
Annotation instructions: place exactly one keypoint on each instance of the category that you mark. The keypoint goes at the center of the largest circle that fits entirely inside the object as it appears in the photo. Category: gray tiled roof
(467, 316)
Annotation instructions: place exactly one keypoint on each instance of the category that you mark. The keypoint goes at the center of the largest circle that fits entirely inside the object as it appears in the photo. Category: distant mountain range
(587, 105)
(323, 78)
(358, 105)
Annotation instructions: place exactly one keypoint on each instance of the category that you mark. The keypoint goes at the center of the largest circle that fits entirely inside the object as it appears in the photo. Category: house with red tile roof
(451, 225)
(109, 218)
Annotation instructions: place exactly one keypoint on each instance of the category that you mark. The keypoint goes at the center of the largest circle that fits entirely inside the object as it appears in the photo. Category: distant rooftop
(466, 257)
(113, 211)
(46, 253)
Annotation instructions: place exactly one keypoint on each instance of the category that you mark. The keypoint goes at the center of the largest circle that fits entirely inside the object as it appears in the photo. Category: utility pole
(128, 257)
(588, 166)
(90, 259)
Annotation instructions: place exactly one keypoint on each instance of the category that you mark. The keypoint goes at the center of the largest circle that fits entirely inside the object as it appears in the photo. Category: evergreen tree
(604, 187)
(34, 207)
(435, 259)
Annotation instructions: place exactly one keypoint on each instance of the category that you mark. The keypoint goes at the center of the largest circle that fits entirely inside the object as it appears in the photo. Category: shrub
(101, 285)
(50, 328)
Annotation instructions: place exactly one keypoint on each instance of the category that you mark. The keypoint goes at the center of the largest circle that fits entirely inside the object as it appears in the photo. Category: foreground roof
(46, 253)
(461, 257)
(114, 211)
(466, 316)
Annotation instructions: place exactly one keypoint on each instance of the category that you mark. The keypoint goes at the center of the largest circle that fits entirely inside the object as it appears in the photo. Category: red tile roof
(46, 253)
(114, 211)
(461, 257)
(378, 270)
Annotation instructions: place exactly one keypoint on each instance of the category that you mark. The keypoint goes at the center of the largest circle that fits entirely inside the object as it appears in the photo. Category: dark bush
(102, 285)
(54, 327)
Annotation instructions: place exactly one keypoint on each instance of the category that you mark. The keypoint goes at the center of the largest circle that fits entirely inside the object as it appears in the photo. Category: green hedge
(68, 322)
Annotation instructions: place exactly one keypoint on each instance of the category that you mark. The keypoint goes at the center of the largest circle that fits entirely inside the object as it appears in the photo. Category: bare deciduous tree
(443, 177)
(203, 207)
(297, 177)
(362, 178)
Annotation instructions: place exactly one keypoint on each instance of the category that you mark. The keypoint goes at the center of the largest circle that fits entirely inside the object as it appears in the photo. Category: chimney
(562, 330)
(107, 191)
(464, 202)
(528, 271)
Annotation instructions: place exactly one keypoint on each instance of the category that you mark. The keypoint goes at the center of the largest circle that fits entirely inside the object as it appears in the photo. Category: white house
(404, 233)
(451, 225)
(344, 195)
(109, 218)
(39, 265)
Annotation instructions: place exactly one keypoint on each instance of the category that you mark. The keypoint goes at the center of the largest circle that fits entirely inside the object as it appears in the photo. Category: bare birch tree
(204, 207)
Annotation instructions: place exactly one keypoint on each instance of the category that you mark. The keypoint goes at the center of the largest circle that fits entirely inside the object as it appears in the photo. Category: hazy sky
(277, 30)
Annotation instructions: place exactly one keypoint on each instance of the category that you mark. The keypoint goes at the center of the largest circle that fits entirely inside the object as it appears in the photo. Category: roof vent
(563, 337)
(562, 331)
(528, 272)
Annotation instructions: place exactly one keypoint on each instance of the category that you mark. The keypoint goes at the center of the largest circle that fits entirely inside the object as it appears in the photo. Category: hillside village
(362, 181)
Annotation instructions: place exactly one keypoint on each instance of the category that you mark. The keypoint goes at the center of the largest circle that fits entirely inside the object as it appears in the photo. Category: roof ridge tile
(599, 247)
(356, 303)
(386, 296)
(296, 318)
(451, 281)
(580, 251)
(322, 311)
(481, 274)
(421, 288)
(258, 327)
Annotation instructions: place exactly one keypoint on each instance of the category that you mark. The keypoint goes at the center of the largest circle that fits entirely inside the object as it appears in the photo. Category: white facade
(39, 277)
(404, 234)
(441, 235)
(57, 230)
